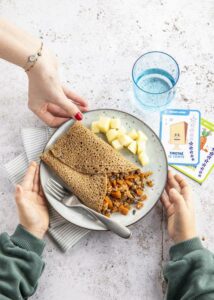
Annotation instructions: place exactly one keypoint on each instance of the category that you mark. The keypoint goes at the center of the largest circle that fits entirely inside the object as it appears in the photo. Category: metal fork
(60, 193)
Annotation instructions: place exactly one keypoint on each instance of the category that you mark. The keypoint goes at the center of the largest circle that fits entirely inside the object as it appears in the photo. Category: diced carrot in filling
(123, 210)
(116, 194)
(124, 191)
(129, 183)
(109, 202)
(144, 197)
(139, 205)
(139, 192)
(149, 183)
(120, 181)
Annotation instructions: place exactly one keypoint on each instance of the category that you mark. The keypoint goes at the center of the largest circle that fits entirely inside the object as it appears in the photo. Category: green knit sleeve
(190, 272)
(21, 264)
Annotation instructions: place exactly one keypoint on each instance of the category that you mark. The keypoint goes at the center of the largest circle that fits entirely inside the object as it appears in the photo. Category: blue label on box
(180, 135)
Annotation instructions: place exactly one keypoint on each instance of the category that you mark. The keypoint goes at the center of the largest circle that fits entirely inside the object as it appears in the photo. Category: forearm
(21, 264)
(190, 272)
(48, 98)
(15, 44)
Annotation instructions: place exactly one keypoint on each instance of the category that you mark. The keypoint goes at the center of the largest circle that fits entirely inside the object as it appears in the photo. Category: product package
(180, 135)
(201, 172)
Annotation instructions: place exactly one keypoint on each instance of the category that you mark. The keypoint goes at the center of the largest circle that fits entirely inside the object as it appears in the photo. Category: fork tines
(55, 189)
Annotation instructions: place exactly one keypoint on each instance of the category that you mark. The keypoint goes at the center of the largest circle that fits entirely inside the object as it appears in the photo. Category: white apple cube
(133, 147)
(143, 158)
(141, 146)
(115, 123)
(133, 134)
(142, 136)
(125, 140)
(104, 124)
(95, 127)
(111, 135)
(117, 145)
(122, 130)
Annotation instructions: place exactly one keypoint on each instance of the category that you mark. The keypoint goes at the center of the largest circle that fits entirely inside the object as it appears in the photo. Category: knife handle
(112, 225)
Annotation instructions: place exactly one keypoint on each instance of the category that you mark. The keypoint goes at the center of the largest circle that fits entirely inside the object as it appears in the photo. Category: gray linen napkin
(64, 233)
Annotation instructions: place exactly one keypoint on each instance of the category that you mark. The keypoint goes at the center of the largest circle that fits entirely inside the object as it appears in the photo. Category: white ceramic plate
(158, 165)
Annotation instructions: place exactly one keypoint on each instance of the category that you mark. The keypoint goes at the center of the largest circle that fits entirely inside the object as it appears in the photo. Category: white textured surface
(97, 43)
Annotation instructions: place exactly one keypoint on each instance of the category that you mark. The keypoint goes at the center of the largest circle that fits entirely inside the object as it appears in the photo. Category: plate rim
(121, 111)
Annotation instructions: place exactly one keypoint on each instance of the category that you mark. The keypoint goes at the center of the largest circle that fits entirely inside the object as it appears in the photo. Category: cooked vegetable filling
(125, 190)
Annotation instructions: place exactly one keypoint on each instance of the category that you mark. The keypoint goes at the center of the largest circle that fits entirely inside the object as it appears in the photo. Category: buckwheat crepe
(83, 161)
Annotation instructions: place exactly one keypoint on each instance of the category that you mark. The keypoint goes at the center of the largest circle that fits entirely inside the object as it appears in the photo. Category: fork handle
(113, 226)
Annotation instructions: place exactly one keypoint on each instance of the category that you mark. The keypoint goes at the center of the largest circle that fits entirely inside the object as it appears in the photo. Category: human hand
(178, 203)
(51, 101)
(31, 204)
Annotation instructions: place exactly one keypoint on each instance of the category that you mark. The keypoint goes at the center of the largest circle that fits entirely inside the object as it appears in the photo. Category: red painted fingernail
(78, 116)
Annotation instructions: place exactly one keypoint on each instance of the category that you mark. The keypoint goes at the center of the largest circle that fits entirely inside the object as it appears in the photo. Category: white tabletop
(97, 43)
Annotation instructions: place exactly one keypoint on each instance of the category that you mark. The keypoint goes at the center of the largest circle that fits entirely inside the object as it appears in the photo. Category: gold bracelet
(32, 59)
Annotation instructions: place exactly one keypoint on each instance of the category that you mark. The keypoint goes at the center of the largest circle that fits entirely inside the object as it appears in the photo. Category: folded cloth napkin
(64, 233)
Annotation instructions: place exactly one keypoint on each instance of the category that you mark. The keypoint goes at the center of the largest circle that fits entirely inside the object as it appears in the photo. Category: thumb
(72, 110)
(176, 198)
(18, 194)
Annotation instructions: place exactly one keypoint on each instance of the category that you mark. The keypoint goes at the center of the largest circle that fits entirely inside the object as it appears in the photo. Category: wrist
(179, 250)
(37, 232)
(45, 63)
(24, 239)
(185, 237)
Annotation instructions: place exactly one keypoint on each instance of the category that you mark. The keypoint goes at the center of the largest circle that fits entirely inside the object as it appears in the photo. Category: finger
(180, 180)
(168, 206)
(185, 189)
(41, 199)
(172, 181)
(27, 183)
(82, 108)
(176, 198)
(41, 193)
(18, 194)
(165, 200)
(187, 194)
(74, 97)
(169, 187)
(51, 120)
(36, 181)
(57, 111)
(70, 108)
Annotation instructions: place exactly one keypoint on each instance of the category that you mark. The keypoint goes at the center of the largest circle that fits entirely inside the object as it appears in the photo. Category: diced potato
(122, 130)
(95, 127)
(141, 146)
(133, 147)
(111, 135)
(142, 136)
(133, 134)
(125, 140)
(143, 158)
(115, 123)
(104, 124)
(117, 145)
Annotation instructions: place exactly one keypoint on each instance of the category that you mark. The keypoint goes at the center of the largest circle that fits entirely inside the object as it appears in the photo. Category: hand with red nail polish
(51, 101)
(78, 116)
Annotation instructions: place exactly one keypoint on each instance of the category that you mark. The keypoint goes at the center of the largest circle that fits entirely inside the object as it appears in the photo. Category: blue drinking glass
(155, 75)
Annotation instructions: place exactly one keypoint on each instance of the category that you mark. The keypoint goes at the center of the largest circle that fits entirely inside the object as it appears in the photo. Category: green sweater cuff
(179, 250)
(26, 240)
